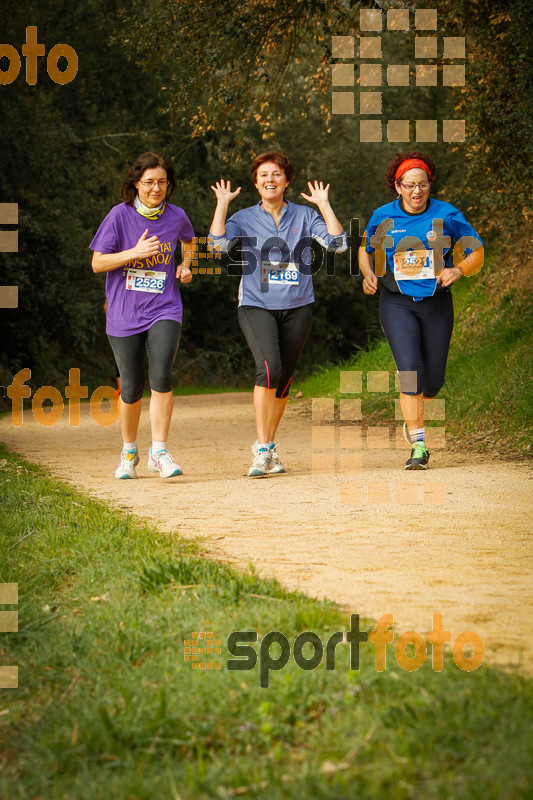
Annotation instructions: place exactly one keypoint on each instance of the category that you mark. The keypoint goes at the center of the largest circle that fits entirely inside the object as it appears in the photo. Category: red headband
(411, 163)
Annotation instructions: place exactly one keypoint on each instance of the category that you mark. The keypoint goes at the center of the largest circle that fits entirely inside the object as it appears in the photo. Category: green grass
(488, 388)
(108, 708)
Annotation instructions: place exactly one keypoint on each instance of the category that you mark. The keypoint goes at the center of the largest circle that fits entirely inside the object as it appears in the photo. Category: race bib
(283, 274)
(144, 280)
(413, 265)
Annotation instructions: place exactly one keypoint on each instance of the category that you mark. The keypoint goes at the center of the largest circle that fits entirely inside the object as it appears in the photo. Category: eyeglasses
(409, 187)
(150, 184)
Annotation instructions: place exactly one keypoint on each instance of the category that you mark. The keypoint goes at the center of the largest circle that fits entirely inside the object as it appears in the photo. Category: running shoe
(261, 463)
(128, 461)
(419, 457)
(276, 465)
(162, 462)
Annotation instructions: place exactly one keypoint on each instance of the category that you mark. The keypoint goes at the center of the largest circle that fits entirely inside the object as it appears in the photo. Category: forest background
(211, 85)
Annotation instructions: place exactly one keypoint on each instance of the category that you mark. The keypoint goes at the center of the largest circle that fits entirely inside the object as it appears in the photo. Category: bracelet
(460, 271)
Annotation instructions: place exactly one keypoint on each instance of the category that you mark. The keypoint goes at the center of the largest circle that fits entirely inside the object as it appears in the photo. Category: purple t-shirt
(130, 311)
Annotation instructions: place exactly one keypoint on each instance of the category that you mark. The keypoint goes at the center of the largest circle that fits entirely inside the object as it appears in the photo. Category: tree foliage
(65, 148)
(233, 59)
(234, 64)
(497, 103)
(211, 85)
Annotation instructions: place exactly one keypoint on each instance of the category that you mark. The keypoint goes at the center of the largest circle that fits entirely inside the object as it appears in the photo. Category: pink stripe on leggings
(287, 386)
(268, 375)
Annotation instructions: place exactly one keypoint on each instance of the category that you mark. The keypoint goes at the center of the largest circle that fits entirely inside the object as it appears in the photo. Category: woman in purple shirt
(135, 247)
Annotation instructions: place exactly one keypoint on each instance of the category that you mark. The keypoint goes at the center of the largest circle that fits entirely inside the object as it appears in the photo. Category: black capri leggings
(419, 334)
(276, 339)
(161, 343)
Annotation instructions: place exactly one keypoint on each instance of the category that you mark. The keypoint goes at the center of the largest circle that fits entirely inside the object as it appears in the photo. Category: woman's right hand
(145, 248)
(370, 283)
(223, 192)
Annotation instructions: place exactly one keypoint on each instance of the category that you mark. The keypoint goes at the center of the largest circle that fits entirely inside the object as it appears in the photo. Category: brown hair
(278, 158)
(397, 160)
(138, 168)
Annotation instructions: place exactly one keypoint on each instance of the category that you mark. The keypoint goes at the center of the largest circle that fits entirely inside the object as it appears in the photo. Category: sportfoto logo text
(246, 657)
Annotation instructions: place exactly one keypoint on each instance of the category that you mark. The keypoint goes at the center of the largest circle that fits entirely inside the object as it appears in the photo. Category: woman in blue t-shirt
(276, 289)
(421, 246)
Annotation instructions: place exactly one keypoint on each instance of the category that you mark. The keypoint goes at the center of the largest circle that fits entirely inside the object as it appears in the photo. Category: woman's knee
(411, 380)
(131, 389)
(284, 383)
(431, 387)
(268, 373)
(160, 379)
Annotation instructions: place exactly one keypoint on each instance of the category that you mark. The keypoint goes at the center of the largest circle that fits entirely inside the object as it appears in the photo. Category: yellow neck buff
(149, 213)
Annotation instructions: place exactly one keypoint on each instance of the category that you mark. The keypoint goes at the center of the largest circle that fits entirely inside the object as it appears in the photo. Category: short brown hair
(398, 159)
(278, 158)
(138, 168)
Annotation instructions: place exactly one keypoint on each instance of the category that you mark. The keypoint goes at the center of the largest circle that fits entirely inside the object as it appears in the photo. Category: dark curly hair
(397, 160)
(138, 168)
(278, 158)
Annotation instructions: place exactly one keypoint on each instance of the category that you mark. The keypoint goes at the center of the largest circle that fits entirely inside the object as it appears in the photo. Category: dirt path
(462, 549)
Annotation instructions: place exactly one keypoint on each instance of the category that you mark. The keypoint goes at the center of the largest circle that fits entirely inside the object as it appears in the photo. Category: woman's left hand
(318, 193)
(184, 274)
(448, 275)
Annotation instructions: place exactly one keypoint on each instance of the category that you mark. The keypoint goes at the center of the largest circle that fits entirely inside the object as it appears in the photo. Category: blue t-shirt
(277, 261)
(418, 246)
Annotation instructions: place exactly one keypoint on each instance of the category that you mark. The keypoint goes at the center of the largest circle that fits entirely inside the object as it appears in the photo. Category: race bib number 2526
(143, 280)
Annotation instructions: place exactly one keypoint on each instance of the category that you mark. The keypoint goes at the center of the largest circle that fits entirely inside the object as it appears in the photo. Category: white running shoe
(128, 461)
(261, 463)
(276, 467)
(163, 463)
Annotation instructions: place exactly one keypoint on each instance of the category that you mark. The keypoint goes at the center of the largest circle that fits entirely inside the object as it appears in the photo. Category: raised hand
(145, 248)
(318, 193)
(223, 192)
